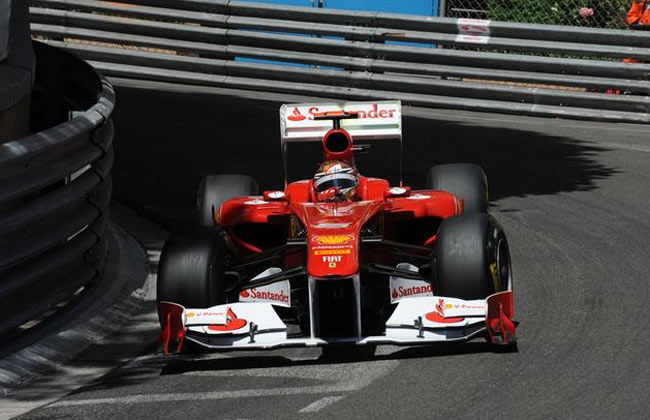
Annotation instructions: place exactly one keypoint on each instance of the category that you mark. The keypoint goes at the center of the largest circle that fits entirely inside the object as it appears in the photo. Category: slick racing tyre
(191, 270)
(471, 258)
(215, 189)
(464, 180)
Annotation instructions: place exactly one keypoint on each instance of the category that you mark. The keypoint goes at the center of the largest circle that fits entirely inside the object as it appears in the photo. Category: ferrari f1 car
(340, 258)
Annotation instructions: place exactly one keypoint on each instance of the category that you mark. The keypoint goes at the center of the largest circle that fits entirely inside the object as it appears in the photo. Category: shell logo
(190, 314)
(333, 239)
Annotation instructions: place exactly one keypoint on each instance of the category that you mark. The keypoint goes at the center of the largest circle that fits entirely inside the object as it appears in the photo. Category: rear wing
(376, 121)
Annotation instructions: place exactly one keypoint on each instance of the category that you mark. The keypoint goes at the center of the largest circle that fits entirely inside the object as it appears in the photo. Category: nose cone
(333, 252)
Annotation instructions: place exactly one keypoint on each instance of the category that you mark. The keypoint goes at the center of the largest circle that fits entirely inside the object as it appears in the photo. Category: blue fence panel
(305, 3)
(417, 7)
(413, 7)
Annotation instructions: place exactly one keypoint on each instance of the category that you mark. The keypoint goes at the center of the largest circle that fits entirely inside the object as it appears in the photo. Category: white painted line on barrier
(320, 404)
(472, 39)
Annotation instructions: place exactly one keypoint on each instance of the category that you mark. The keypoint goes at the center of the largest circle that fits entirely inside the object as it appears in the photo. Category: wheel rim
(503, 264)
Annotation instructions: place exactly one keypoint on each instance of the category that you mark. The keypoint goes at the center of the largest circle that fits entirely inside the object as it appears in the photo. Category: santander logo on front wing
(278, 293)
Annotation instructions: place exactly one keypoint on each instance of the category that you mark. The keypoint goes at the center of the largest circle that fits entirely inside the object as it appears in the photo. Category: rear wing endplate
(376, 121)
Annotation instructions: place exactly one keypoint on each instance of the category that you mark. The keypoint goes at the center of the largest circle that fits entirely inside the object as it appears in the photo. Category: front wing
(417, 320)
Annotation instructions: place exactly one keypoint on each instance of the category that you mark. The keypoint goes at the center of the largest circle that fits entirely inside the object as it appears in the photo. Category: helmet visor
(341, 181)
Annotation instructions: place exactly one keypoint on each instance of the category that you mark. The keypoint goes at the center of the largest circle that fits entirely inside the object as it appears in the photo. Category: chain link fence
(589, 13)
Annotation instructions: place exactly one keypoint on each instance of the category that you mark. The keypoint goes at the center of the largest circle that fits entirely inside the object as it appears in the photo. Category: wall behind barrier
(5, 6)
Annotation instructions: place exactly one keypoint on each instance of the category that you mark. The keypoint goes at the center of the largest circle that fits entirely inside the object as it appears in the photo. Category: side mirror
(274, 196)
(397, 191)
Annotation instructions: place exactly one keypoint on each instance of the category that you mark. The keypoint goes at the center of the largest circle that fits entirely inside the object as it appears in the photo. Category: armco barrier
(503, 67)
(55, 188)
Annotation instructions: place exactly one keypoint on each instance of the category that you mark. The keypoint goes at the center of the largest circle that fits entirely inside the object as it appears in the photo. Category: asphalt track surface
(572, 196)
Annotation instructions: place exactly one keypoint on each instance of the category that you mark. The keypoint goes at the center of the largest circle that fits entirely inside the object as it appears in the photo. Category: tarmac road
(572, 196)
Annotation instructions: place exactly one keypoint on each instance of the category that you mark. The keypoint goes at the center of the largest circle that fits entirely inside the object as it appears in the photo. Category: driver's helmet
(336, 174)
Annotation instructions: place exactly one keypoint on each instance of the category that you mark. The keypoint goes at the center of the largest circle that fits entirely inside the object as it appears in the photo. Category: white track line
(344, 383)
(320, 404)
(202, 396)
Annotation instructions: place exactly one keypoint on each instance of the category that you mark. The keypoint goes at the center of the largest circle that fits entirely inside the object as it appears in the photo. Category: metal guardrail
(503, 67)
(55, 188)
(5, 8)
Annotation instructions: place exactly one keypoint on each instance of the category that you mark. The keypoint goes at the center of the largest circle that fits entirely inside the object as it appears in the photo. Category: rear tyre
(471, 258)
(466, 181)
(191, 270)
(215, 189)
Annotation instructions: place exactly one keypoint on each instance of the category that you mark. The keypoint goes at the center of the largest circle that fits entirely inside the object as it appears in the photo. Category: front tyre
(471, 258)
(191, 270)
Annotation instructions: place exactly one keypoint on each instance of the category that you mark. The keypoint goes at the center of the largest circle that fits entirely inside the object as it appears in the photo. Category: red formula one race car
(339, 259)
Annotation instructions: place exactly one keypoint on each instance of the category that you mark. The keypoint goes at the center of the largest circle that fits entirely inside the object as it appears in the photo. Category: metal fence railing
(594, 14)
(54, 190)
(503, 67)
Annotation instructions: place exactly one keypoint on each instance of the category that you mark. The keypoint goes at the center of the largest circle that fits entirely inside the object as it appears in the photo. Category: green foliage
(606, 13)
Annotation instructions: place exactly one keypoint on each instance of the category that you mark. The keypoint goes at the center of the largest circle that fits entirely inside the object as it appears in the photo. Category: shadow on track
(259, 361)
(166, 141)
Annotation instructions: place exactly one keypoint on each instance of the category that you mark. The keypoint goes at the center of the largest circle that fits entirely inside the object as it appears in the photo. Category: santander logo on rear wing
(377, 121)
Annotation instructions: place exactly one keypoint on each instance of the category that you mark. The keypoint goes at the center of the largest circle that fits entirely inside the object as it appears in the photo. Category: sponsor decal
(332, 247)
(475, 31)
(296, 115)
(204, 313)
(332, 258)
(278, 293)
(472, 39)
(464, 306)
(256, 202)
(397, 191)
(495, 276)
(332, 251)
(334, 169)
(326, 225)
(402, 291)
(373, 113)
(477, 27)
(418, 196)
(332, 239)
(438, 314)
(232, 323)
(401, 288)
(276, 195)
